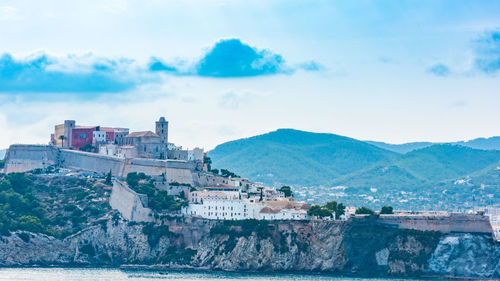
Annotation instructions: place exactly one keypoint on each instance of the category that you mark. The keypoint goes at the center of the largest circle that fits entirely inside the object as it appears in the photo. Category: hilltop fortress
(103, 149)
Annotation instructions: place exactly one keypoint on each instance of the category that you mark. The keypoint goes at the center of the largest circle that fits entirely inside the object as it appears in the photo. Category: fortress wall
(129, 203)
(102, 164)
(148, 166)
(180, 175)
(202, 179)
(23, 158)
(470, 223)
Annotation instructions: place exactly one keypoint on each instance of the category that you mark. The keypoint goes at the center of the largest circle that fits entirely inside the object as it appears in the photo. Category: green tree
(364, 211)
(108, 178)
(318, 211)
(208, 161)
(386, 210)
(87, 148)
(133, 178)
(215, 171)
(62, 138)
(287, 190)
(31, 224)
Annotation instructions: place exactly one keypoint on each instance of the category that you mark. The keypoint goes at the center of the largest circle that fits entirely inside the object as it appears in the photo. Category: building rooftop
(142, 134)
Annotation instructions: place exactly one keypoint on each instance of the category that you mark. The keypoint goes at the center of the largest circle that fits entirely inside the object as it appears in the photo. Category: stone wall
(98, 163)
(470, 223)
(131, 205)
(23, 158)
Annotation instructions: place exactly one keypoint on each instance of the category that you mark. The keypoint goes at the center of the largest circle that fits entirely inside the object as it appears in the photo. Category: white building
(195, 154)
(224, 202)
(98, 137)
(223, 209)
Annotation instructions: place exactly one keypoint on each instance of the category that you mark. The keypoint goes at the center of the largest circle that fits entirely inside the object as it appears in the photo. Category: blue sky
(393, 71)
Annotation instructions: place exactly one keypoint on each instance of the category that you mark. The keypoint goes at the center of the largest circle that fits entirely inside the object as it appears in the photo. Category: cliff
(358, 247)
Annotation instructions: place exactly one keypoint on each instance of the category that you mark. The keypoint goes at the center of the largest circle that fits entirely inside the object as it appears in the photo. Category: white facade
(195, 154)
(224, 210)
(98, 137)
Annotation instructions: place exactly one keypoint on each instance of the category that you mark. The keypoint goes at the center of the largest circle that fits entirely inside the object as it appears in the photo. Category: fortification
(131, 205)
(453, 222)
(23, 158)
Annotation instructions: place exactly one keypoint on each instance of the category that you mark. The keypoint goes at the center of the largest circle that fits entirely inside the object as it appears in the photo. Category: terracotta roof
(107, 129)
(267, 210)
(142, 134)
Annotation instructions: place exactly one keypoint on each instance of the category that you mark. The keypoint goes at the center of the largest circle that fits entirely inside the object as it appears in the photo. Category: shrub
(24, 236)
(364, 211)
(387, 210)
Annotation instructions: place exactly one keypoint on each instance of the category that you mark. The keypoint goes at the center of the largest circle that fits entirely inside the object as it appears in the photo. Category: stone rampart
(22, 158)
(467, 223)
(130, 204)
(93, 162)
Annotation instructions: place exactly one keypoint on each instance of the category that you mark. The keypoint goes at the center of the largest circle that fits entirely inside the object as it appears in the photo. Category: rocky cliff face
(362, 247)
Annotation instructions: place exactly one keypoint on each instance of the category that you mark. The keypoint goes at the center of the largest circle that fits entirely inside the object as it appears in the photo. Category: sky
(393, 71)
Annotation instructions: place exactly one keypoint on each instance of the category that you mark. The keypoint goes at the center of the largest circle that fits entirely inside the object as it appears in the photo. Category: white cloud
(8, 12)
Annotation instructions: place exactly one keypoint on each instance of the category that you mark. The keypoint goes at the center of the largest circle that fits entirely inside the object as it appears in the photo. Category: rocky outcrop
(357, 247)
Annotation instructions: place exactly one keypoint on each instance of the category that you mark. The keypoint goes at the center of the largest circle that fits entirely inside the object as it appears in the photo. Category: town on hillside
(223, 196)
(151, 176)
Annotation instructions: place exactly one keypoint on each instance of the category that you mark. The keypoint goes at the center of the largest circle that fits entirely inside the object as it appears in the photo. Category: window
(83, 135)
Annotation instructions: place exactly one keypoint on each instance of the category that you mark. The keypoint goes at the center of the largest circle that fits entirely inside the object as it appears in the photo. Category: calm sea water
(65, 274)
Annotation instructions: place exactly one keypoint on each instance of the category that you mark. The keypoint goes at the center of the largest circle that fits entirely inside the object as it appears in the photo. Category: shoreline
(190, 269)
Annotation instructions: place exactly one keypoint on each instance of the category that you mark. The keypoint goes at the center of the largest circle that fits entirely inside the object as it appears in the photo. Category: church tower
(162, 130)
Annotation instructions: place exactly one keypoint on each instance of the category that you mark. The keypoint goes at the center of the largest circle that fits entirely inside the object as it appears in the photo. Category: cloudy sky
(393, 71)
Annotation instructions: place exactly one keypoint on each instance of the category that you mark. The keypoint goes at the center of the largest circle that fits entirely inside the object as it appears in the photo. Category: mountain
(401, 148)
(2, 153)
(482, 143)
(323, 167)
(492, 143)
(298, 157)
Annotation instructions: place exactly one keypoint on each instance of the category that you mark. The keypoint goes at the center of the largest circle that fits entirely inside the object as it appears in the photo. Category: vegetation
(159, 200)
(286, 190)
(2, 163)
(226, 173)
(208, 161)
(386, 210)
(327, 210)
(88, 148)
(364, 211)
(108, 178)
(25, 201)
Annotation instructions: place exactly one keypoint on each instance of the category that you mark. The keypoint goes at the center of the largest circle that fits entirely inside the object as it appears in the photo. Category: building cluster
(241, 199)
(120, 142)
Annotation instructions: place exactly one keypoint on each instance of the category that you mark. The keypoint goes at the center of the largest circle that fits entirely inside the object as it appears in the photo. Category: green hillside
(301, 158)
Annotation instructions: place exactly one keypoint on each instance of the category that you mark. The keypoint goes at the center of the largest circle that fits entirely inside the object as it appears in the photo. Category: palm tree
(62, 138)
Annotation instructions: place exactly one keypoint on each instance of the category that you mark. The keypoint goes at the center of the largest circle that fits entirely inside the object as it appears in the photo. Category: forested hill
(297, 157)
(440, 172)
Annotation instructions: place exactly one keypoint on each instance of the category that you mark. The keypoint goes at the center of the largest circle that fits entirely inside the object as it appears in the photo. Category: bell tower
(162, 130)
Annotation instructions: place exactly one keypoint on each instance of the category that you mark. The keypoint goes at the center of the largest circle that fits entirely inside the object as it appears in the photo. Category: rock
(363, 248)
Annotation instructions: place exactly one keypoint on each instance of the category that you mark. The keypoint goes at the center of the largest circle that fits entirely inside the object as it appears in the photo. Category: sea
(78, 274)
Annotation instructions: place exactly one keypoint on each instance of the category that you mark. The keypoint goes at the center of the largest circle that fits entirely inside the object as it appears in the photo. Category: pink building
(81, 136)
